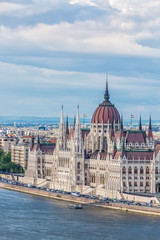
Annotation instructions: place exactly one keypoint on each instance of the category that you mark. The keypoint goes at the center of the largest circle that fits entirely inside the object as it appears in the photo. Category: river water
(28, 217)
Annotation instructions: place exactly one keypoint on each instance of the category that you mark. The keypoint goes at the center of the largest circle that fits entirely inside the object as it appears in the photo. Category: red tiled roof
(48, 149)
(134, 137)
(106, 112)
(139, 155)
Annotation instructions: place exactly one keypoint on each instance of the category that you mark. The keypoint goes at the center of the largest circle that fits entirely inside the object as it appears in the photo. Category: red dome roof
(106, 111)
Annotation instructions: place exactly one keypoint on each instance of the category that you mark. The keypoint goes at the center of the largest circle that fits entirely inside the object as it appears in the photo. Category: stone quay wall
(70, 198)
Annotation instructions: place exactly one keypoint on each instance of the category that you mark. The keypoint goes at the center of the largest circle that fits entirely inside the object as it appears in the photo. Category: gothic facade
(105, 159)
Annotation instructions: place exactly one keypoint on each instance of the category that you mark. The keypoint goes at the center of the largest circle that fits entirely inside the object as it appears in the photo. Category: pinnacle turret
(150, 129)
(121, 122)
(106, 95)
(77, 118)
(67, 129)
(140, 124)
(150, 124)
(62, 118)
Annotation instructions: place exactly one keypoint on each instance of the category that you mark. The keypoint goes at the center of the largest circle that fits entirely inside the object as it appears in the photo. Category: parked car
(75, 193)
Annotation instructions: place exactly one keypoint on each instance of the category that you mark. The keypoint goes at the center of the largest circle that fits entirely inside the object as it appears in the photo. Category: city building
(6, 143)
(107, 160)
(19, 154)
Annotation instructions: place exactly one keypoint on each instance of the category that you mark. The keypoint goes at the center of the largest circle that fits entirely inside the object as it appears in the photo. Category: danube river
(28, 217)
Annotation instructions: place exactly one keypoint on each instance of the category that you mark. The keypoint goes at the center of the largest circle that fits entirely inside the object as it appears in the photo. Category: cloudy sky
(55, 52)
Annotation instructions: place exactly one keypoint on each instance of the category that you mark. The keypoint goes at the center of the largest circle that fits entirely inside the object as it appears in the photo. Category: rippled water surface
(28, 217)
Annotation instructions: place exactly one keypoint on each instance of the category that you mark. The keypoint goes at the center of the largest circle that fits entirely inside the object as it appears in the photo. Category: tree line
(6, 166)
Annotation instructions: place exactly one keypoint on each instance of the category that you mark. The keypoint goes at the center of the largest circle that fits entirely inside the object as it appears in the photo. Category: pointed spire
(67, 129)
(150, 124)
(106, 95)
(150, 129)
(74, 122)
(121, 122)
(62, 118)
(77, 118)
(140, 124)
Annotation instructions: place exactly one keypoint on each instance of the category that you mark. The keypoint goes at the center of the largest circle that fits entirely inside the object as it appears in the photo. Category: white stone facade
(108, 159)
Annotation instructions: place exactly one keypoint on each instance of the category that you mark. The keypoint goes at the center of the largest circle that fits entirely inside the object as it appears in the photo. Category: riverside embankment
(70, 198)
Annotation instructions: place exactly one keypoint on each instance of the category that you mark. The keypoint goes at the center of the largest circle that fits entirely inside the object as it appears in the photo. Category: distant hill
(24, 120)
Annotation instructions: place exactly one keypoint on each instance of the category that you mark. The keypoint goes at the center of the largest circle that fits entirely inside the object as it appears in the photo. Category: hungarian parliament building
(105, 159)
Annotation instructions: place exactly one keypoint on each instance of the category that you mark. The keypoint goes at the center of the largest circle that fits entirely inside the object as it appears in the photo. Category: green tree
(7, 166)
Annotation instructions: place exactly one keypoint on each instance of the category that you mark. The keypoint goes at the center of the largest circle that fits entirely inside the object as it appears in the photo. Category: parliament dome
(106, 112)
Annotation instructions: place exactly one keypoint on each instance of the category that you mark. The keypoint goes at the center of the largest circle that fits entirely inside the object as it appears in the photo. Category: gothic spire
(150, 124)
(77, 118)
(150, 129)
(67, 129)
(121, 122)
(140, 124)
(106, 95)
(62, 119)
(74, 122)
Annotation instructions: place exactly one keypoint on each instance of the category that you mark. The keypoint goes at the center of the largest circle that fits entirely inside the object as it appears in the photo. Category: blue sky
(56, 52)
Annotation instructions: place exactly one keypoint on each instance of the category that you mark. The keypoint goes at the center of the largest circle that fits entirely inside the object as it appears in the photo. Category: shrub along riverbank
(6, 166)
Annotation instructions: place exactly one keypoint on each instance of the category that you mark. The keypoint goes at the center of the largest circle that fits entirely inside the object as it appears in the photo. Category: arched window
(141, 170)
(156, 170)
(147, 170)
(129, 170)
(135, 170)
(78, 165)
(124, 170)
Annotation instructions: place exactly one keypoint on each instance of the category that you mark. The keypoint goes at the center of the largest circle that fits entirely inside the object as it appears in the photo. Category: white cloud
(103, 4)
(10, 7)
(116, 32)
(136, 7)
(31, 8)
(109, 27)
(83, 37)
